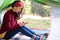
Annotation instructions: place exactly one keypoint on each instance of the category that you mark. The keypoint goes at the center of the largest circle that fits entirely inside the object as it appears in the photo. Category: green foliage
(55, 3)
(5, 4)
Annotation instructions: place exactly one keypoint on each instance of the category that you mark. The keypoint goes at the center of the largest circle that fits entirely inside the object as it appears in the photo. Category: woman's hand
(22, 23)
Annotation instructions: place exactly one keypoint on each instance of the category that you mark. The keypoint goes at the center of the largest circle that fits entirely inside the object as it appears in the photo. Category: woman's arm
(9, 25)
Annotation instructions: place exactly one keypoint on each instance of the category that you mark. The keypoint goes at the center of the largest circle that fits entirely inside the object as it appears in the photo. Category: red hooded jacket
(9, 22)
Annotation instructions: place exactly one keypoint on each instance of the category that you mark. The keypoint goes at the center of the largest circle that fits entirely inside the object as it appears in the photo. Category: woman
(12, 27)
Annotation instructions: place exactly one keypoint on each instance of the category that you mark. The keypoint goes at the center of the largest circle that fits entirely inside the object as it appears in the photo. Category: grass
(39, 24)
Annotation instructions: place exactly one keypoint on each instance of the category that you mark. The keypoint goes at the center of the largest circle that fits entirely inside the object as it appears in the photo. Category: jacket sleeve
(8, 24)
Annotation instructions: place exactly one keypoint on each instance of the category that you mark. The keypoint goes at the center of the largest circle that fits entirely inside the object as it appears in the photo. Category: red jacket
(9, 22)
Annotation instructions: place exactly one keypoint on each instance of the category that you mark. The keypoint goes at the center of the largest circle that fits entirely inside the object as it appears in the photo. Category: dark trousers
(24, 30)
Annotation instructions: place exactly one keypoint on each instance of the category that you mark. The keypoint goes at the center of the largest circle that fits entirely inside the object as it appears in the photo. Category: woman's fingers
(21, 24)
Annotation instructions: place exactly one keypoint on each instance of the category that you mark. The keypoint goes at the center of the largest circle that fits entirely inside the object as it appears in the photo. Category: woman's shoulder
(8, 12)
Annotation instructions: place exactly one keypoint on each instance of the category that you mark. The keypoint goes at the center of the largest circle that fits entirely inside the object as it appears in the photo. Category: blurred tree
(27, 6)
